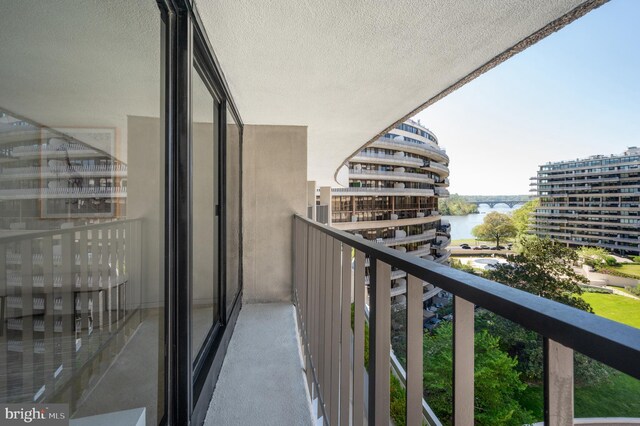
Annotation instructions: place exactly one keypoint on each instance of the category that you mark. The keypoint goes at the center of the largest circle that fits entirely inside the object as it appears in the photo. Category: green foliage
(522, 216)
(633, 290)
(526, 346)
(601, 290)
(496, 226)
(497, 383)
(457, 264)
(611, 261)
(544, 268)
(455, 205)
(593, 256)
(398, 395)
(636, 259)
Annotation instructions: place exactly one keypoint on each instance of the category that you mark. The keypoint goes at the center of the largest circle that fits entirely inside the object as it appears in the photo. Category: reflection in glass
(81, 202)
(205, 301)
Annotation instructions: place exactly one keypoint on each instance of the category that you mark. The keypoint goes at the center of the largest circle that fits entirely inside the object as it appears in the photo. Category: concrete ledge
(262, 380)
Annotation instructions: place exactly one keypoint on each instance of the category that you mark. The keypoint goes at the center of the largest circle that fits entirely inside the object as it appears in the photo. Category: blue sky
(574, 94)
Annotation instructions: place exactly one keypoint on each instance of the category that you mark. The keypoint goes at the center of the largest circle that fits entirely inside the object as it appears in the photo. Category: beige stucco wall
(274, 188)
(145, 186)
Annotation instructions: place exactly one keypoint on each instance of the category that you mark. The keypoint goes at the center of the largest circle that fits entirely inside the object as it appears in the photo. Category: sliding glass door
(205, 128)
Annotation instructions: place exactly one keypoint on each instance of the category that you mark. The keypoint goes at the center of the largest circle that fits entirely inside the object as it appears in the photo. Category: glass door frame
(188, 386)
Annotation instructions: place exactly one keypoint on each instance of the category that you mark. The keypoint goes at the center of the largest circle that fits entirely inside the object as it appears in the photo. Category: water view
(461, 226)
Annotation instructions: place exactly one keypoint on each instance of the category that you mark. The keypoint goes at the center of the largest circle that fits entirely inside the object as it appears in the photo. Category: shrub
(611, 261)
(634, 290)
(636, 259)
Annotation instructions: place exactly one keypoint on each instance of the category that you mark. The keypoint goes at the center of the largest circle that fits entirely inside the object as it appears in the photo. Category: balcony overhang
(348, 70)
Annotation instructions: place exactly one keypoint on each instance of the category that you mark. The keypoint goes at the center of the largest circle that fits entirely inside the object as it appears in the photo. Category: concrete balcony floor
(262, 379)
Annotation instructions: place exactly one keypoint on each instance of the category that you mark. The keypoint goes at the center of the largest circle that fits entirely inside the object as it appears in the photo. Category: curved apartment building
(591, 202)
(392, 198)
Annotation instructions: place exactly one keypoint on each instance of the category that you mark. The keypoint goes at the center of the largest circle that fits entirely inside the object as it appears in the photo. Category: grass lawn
(618, 308)
(629, 268)
(617, 398)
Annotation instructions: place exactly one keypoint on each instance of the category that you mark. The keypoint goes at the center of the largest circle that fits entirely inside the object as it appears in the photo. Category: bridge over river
(493, 200)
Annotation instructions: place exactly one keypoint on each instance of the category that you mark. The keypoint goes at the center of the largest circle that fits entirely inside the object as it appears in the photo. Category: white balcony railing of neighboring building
(387, 158)
(391, 175)
(86, 192)
(381, 142)
(355, 190)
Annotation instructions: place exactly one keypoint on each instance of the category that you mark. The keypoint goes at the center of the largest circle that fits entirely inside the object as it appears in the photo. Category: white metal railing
(427, 235)
(405, 143)
(48, 148)
(363, 156)
(364, 189)
(391, 174)
(85, 192)
(83, 170)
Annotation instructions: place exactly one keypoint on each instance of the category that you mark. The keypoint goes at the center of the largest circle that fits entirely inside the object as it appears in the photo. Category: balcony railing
(391, 159)
(390, 175)
(410, 144)
(67, 293)
(423, 192)
(85, 192)
(334, 354)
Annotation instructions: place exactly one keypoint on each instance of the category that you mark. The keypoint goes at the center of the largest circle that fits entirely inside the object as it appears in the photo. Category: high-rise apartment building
(593, 201)
(392, 198)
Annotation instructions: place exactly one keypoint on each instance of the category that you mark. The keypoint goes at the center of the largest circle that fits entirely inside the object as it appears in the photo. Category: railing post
(379, 342)
(335, 334)
(358, 340)
(310, 305)
(414, 351)
(345, 336)
(558, 384)
(326, 346)
(463, 354)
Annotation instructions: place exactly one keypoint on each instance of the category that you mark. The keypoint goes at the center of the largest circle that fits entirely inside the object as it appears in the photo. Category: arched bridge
(493, 200)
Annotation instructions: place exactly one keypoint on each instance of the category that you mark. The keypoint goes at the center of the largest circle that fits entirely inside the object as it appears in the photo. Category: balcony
(389, 175)
(370, 157)
(48, 193)
(414, 147)
(355, 190)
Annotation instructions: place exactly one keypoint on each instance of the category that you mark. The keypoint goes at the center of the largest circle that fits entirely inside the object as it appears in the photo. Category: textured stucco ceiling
(349, 69)
(346, 69)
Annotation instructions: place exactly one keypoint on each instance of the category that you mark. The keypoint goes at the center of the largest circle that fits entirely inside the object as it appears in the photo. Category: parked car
(465, 247)
(484, 247)
(477, 248)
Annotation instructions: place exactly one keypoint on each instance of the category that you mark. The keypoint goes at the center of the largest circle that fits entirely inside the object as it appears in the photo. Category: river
(461, 225)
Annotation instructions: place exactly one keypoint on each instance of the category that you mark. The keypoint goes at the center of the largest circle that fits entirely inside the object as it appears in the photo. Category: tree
(455, 205)
(544, 267)
(593, 256)
(522, 216)
(496, 226)
(497, 383)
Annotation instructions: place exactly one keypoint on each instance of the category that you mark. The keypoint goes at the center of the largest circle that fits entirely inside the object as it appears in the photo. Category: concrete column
(274, 176)
(325, 199)
(311, 198)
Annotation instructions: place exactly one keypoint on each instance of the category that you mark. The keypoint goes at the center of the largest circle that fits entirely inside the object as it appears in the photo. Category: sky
(574, 94)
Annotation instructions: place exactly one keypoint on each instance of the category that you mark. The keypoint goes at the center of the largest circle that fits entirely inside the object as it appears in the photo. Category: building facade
(593, 201)
(392, 198)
